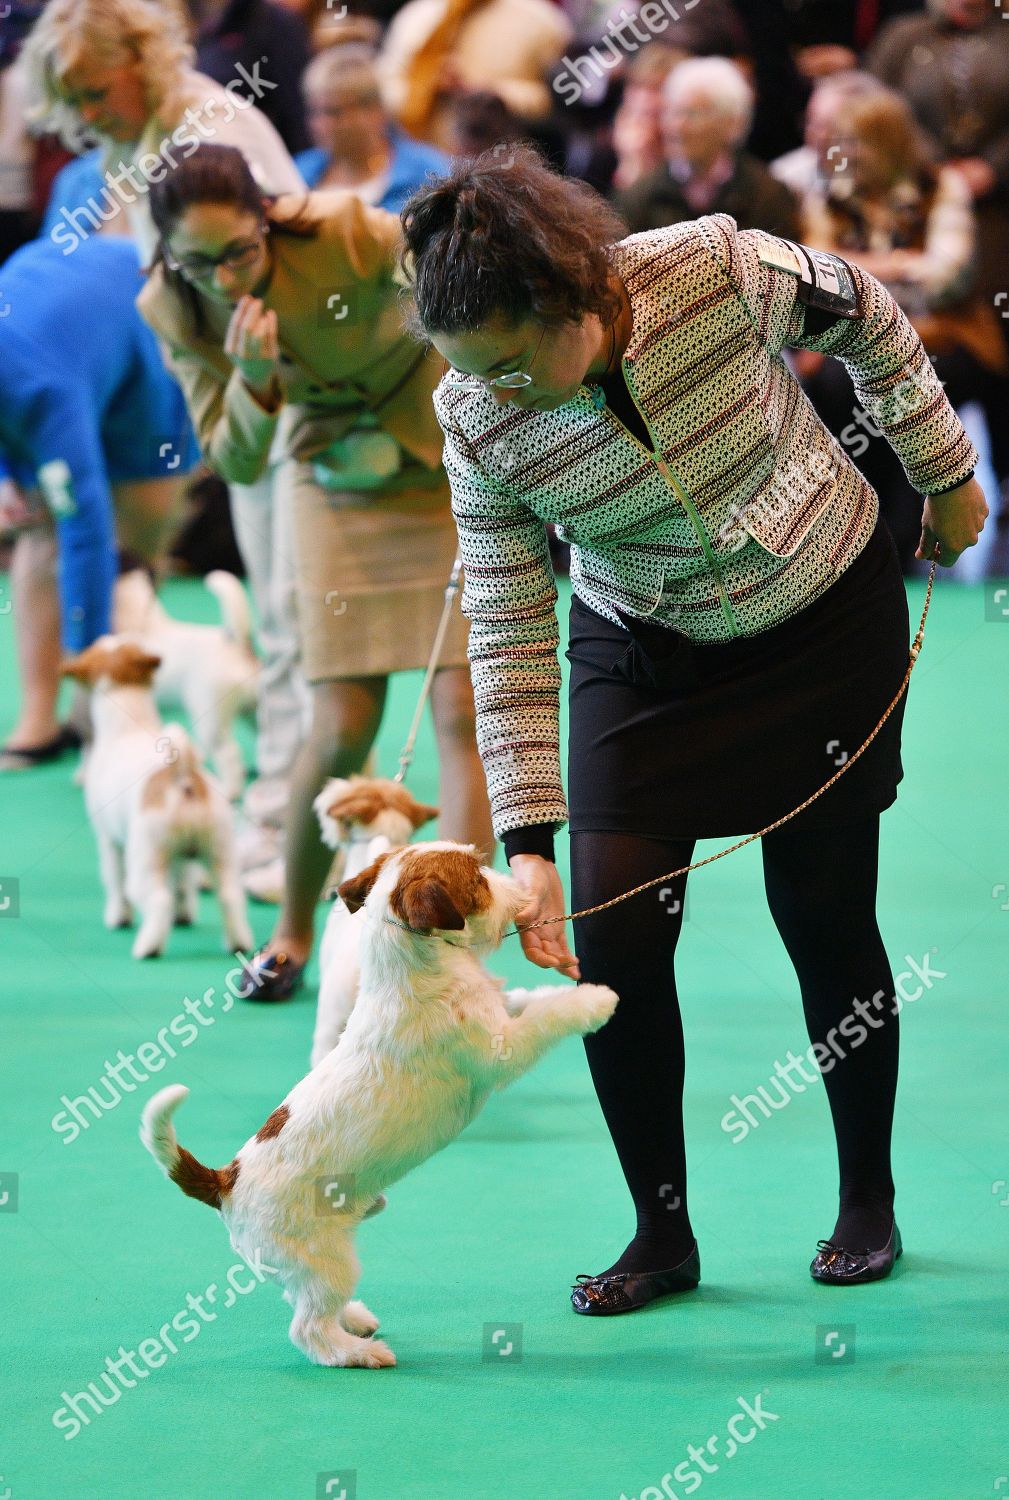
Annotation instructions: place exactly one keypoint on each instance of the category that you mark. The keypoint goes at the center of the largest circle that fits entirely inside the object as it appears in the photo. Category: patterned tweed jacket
(746, 510)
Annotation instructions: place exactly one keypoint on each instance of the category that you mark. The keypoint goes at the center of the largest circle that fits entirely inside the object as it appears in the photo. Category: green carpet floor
(895, 1390)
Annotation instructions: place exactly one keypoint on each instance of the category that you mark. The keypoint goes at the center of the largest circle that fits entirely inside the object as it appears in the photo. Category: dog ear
(421, 813)
(355, 891)
(76, 667)
(132, 666)
(427, 903)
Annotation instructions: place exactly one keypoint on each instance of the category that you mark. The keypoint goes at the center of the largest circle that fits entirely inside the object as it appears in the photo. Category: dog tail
(234, 604)
(211, 1185)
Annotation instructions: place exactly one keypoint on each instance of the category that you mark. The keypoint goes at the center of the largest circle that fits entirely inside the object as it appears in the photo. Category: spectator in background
(356, 143)
(707, 109)
(827, 36)
(479, 122)
(911, 226)
(325, 22)
(816, 161)
(95, 440)
(436, 50)
(637, 124)
(952, 66)
(121, 71)
(251, 32)
(17, 150)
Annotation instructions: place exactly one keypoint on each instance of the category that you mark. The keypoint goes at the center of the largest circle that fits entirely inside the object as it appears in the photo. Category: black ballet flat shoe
(270, 978)
(835, 1265)
(604, 1296)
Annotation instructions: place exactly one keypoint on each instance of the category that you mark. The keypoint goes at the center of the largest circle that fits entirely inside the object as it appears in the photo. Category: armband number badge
(825, 281)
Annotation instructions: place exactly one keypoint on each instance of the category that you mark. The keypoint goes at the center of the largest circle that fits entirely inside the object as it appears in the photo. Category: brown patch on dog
(368, 796)
(122, 662)
(211, 1185)
(440, 888)
(185, 775)
(354, 892)
(271, 1128)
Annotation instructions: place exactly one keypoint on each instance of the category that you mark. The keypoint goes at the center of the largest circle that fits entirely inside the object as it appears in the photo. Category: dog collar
(419, 932)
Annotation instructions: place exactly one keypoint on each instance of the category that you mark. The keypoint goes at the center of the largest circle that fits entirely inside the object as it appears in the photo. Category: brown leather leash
(589, 911)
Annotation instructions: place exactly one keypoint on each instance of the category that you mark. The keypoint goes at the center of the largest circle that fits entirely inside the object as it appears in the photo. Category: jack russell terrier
(159, 817)
(211, 670)
(360, 818)
(431, 1036)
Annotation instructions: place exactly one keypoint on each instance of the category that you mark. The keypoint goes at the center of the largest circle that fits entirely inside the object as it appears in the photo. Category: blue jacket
(412, 161)
(85, 398)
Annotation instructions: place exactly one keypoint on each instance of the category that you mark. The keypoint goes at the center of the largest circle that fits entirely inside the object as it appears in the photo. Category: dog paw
(597, 1004)
(148, 947)
(358, 1319)
(117, 914)
(373, 1355)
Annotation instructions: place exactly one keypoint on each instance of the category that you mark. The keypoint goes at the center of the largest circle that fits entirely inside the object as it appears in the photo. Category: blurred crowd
(878, 129)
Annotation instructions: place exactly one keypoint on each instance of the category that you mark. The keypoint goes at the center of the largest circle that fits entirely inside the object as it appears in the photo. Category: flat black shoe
(26, 757)
(603, 1296)
(270, 977)
(835, 1265)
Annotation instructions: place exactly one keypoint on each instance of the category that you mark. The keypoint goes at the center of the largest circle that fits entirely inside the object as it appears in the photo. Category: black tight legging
(821, 890)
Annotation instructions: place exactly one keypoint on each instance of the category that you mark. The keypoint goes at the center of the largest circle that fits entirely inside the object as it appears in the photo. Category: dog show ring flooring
(117, 1284)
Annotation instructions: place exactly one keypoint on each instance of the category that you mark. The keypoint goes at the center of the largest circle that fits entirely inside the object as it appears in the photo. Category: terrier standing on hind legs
(431, 1036)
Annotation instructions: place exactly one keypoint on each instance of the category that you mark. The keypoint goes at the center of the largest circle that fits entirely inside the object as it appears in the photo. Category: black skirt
(673, 738)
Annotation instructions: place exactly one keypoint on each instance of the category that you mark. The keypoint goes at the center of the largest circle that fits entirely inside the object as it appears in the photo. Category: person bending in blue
(94, 440)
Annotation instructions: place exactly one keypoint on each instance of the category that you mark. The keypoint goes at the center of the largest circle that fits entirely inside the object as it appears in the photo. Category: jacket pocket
(791, 500)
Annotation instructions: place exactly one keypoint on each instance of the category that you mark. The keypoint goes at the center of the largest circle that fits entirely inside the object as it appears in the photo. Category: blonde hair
(152, 33)
(346, 72)
(884, 120)
(724, 84)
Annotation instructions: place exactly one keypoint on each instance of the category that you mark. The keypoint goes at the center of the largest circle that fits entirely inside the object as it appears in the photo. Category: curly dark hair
(505, 234)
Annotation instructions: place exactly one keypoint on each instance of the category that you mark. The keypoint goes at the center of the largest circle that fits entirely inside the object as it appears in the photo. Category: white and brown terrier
(210, 670)
(360, 818)
(159, 817)
(431, 1036)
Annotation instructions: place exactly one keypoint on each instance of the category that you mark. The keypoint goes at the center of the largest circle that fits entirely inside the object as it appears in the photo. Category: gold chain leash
(699, 864)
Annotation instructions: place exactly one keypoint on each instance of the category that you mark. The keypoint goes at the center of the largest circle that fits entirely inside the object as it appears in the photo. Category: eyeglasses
(513, 381)
(203, 267)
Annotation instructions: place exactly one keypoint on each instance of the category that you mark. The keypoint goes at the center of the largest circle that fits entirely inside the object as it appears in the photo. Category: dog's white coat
(339, 969)
(431, 1036)
(151, 857)
(211, 670)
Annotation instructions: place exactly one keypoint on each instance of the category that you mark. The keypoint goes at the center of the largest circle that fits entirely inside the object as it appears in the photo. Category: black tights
(821, 890)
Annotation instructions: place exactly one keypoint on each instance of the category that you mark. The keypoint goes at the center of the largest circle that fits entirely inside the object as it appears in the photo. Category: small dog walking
(360, 818)
(431, 1036)
(211, 670)
(159, 817)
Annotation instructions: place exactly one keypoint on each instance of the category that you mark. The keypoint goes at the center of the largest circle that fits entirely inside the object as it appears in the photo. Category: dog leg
(230, 767)
(110, 863)
(358, 1319)
(321, 1304)
(157, 907)
(187, 887)
(231, 896)
(549, 1013)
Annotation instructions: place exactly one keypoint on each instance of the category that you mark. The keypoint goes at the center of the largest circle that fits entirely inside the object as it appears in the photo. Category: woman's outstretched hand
(252, 345)
(547, 946)
(954, 520)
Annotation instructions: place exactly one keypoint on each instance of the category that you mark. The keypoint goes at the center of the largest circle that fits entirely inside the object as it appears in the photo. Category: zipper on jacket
(689, 507)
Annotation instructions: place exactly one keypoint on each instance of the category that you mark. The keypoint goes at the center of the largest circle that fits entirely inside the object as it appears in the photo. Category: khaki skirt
(371, 572)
